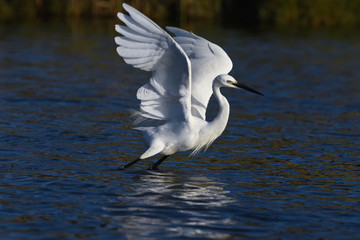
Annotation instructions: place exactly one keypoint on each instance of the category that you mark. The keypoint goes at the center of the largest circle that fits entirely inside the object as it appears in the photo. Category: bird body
(194, 134)
(186, 71)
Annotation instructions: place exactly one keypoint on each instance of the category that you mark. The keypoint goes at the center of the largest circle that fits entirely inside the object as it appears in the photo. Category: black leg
(129, 164)
(155, 165)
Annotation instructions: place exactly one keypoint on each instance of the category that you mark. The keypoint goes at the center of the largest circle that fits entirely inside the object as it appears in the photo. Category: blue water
(286, 167)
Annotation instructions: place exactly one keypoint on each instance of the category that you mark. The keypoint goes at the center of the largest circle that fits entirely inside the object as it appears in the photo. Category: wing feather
(134, 44)
(208, 60)
(132, 24)
(144, 45)
(131, 34)
(129, 52)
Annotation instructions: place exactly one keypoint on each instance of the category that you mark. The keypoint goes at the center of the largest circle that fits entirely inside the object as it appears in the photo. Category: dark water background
(287, 166)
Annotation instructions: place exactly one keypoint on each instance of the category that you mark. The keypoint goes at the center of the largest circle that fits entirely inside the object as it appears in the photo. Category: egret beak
(239, 85)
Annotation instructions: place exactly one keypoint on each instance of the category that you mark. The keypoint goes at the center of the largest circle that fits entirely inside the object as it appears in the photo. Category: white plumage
(186, 71)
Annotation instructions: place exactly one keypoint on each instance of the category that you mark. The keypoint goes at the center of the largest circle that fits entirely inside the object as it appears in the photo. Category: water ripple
(287, 165)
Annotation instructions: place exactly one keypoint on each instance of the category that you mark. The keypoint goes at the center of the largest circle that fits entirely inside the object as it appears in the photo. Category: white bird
(186, 71)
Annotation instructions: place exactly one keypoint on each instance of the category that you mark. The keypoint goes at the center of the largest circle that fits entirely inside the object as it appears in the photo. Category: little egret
(186, 71)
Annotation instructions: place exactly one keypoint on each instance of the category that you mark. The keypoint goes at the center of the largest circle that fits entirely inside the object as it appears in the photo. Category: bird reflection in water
(166, 201)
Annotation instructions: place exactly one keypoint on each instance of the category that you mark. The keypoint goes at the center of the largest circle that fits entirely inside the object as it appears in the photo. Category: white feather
(146, 46)
(208, 61)
(186, 71)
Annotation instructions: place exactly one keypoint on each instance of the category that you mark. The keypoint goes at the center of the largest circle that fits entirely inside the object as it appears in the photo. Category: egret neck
(217, 126)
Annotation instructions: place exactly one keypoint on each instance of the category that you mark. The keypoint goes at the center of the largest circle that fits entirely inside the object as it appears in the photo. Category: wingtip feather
(117, 28)
(126, 6)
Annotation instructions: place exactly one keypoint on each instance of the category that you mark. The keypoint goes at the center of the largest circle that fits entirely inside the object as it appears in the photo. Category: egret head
(225, 80)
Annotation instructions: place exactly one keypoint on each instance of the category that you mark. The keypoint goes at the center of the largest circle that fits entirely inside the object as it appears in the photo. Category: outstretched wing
(145, 45)
(208, 60)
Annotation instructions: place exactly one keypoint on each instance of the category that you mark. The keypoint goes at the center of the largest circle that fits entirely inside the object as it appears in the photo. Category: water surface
(286, 167)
